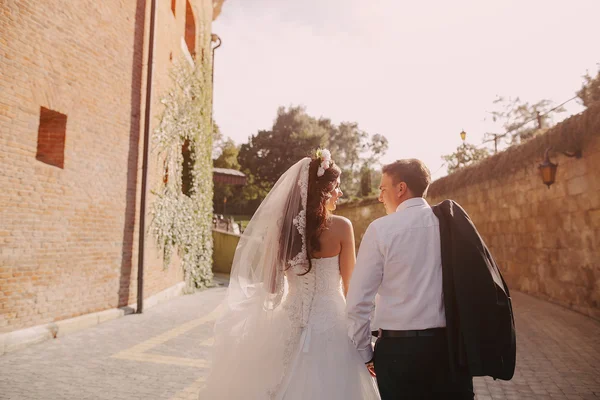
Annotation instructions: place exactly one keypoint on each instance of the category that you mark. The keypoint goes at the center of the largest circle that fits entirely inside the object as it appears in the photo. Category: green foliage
(590, 91)
(218, 141)
(271, 152)
(375, 180)
(228, 157)
(295, 135)
(182, 208)
(370, 179)
(353, 149)
(574, 133)
(366, 185)
(521, 119)
(464, 155)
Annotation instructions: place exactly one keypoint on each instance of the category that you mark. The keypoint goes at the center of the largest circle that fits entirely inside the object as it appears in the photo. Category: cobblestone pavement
(164, 354)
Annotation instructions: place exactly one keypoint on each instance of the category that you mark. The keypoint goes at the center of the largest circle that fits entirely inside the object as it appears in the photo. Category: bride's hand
(371, 368)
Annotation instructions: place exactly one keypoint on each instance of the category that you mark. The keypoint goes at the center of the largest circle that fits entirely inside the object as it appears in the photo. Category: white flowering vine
(183, 222)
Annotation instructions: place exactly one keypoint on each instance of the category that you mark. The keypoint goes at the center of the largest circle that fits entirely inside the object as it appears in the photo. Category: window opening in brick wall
(186, 173)
(166, 175)
(190, 29)
(51, 138)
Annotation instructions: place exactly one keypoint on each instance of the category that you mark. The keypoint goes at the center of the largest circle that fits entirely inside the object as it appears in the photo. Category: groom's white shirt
(400, 265)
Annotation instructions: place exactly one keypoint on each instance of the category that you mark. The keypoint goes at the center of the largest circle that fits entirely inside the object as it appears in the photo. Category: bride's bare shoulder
(340, 225)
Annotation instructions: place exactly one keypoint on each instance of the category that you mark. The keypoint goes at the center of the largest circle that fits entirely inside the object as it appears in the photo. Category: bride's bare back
(338, 238)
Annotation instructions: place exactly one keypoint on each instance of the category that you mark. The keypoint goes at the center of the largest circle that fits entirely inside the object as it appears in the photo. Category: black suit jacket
(479, 317)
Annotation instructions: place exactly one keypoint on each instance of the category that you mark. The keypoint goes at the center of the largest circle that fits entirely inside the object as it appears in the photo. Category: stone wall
(545, 240)
(72, 78)
(361, 213)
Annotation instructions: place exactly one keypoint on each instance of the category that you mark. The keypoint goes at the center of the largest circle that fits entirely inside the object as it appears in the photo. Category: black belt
(413, 333)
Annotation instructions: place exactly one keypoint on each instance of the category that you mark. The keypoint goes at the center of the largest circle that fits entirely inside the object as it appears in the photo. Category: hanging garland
(182, 207)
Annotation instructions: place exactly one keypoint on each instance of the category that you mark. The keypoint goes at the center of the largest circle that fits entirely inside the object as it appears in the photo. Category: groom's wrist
(366, 354)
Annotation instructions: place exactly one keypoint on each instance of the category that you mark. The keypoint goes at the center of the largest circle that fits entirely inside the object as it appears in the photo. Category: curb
(20, 339)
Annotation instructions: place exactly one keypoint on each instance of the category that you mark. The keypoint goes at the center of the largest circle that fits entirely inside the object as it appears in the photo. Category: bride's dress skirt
(304, 355)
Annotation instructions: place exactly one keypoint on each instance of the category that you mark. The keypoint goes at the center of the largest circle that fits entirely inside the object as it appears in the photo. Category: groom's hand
(371, 368)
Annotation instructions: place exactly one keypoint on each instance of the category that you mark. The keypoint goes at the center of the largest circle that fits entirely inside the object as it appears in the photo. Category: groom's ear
(401, 189)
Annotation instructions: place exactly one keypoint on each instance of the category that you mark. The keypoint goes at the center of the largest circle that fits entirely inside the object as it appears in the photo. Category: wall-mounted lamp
(548, 168)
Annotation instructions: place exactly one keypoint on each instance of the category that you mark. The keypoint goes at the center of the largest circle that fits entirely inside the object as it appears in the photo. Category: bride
(282, 334)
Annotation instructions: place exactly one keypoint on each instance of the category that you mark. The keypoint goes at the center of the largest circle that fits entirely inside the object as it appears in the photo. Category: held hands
(371, 368)
(370, 365)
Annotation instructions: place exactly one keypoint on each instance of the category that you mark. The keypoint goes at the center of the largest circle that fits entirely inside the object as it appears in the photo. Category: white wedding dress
(322, 362)
(282, 332)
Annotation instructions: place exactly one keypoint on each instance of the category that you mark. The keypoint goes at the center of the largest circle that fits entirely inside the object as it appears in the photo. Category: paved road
(164, 354)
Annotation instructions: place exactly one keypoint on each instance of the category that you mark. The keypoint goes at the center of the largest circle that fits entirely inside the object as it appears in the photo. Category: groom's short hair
(411, 171)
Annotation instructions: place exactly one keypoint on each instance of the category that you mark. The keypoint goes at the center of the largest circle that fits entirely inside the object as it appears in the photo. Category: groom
(400, 261)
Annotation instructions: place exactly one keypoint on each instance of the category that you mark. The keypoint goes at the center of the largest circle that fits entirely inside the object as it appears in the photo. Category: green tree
(377, 147)
(347, 142)
(375, 180)
(365, 180)
(234, 194)
(522, 120)
(295, 135)
(228, 156)
(590, 90)
(241, 200)
(218, 141)
(269, 153)
(464, 155)
(353, 151)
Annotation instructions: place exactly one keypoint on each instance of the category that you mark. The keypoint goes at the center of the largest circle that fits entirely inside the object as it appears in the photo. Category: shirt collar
(414, 202)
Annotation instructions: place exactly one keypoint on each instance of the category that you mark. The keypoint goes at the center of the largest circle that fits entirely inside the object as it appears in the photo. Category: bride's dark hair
(317, 215)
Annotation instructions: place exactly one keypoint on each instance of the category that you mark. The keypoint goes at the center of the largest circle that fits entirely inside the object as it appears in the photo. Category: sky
(415, 72)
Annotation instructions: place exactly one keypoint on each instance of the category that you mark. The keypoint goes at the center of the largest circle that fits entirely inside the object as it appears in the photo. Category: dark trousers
(418, 368)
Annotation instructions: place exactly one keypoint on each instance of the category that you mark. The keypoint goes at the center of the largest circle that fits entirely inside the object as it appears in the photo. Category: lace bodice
(316, 298)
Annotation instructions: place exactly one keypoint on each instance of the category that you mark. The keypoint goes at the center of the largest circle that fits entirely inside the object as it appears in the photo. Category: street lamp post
(463, 136)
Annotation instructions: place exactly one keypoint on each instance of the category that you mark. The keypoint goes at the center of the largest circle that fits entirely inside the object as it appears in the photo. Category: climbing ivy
(182, 206)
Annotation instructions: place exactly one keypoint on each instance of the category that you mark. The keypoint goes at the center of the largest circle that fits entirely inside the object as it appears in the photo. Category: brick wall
(170, 29)
(546, 241)
(68, 233)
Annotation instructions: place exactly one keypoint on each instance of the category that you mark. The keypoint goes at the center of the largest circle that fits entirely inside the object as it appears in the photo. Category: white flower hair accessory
(325, 156)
